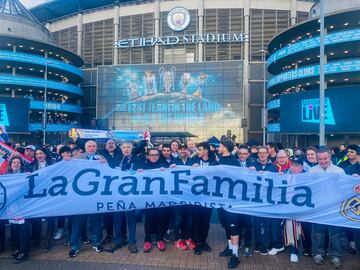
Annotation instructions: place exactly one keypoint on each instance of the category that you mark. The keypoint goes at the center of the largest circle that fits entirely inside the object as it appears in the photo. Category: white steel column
(80, 33)
(246, 114)
(157, 30)
(201, 28)
(116, 34)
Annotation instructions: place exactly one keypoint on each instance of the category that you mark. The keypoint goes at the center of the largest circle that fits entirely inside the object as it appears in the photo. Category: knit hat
(229, 144)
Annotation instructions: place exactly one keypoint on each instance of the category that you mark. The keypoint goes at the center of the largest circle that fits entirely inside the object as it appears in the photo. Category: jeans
(183, 222)
(95, 229)
(294, 250)
(306, 242)
(118, 219)
(36, 228)
(258, 231)
(22, 236)
(268, 233)
(2, 235)
(155, 223)
(273, 236)
(318, 240)
(201, 223)
(77, 227)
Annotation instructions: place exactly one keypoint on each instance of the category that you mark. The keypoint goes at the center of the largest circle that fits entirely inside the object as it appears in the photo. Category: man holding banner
(318, 232)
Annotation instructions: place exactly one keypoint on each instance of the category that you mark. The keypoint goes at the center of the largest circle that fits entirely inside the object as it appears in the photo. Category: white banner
(84, 187)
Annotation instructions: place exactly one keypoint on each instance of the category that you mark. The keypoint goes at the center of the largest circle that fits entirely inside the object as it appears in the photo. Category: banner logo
(4, 120)
(2, 196)
(351, 208)
(178, 19)
(311, 111)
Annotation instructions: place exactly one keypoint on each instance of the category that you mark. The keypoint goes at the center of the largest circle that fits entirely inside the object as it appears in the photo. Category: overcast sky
(32, 3)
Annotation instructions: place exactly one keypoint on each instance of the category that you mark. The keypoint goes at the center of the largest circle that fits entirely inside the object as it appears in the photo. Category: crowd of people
(186, 226)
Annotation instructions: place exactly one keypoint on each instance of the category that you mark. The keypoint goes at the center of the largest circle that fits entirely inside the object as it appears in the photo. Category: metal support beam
(322, 75)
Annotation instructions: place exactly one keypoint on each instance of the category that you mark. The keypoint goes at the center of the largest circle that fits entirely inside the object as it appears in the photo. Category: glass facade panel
(202, 98)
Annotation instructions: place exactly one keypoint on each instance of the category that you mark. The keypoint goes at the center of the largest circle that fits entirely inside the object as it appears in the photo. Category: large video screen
(204, 99)
(300, 113)
(14, 114)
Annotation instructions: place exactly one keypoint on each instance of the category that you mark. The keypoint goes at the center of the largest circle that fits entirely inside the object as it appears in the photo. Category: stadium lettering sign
(178, 40)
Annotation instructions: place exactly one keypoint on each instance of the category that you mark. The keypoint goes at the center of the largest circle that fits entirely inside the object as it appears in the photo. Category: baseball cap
(30, 146)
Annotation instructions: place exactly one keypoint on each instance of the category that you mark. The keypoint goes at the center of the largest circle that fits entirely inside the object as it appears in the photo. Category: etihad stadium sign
(178, 40)
(178, 20)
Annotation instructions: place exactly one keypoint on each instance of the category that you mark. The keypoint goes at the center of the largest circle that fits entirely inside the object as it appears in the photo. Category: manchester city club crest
(178, 19)
(2, 196)
(350, 208)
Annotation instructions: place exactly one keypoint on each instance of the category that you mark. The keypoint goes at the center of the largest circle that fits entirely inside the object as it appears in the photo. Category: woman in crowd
(20, 228)
(42, 159)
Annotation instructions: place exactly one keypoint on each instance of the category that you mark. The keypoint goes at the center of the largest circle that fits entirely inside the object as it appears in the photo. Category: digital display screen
(300, 112)
(14, 114)
(204, 99)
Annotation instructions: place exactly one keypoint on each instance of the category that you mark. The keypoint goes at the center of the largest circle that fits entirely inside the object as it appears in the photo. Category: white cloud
(32, 3)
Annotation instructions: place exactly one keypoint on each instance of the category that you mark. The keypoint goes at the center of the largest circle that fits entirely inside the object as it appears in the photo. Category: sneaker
(180, 244)
(205, 246)
(169, 236)
(294, 258)
(21, 257)
(336, 263)
(234, 261)
(264, 251)
(113, 249)
(73, 253)
(132, 248)
(161, 245)
(247, 252)
(147, 247)
(86, 241)
(98, 248)
(307, 253)
(275, 251)
(318, 259)
(15, 254)
(198, 249)
(226, 252)
(59, 234)
(257, 248)
(191, 244)
(67, 244)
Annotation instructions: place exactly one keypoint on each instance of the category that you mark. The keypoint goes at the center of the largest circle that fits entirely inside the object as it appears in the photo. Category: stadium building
(294, 63)
(37, 78)
(172, 66)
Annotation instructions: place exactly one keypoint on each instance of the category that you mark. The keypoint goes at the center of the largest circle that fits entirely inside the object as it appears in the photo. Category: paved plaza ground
(170, 259)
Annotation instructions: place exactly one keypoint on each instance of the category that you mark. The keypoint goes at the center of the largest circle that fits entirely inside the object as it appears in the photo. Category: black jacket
(345, 164)
(178, 161)
(210, 162)
(147, 165)
(229, 160)
(113, 160)
(269, 167)
(353, 169)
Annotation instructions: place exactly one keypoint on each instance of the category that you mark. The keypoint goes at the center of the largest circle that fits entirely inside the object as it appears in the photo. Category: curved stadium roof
(54, 9)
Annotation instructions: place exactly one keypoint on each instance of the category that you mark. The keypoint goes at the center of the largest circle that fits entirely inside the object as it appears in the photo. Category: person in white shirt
(318, 230)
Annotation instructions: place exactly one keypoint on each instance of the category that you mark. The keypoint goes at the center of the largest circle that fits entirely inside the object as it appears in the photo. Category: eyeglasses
(153, 155)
